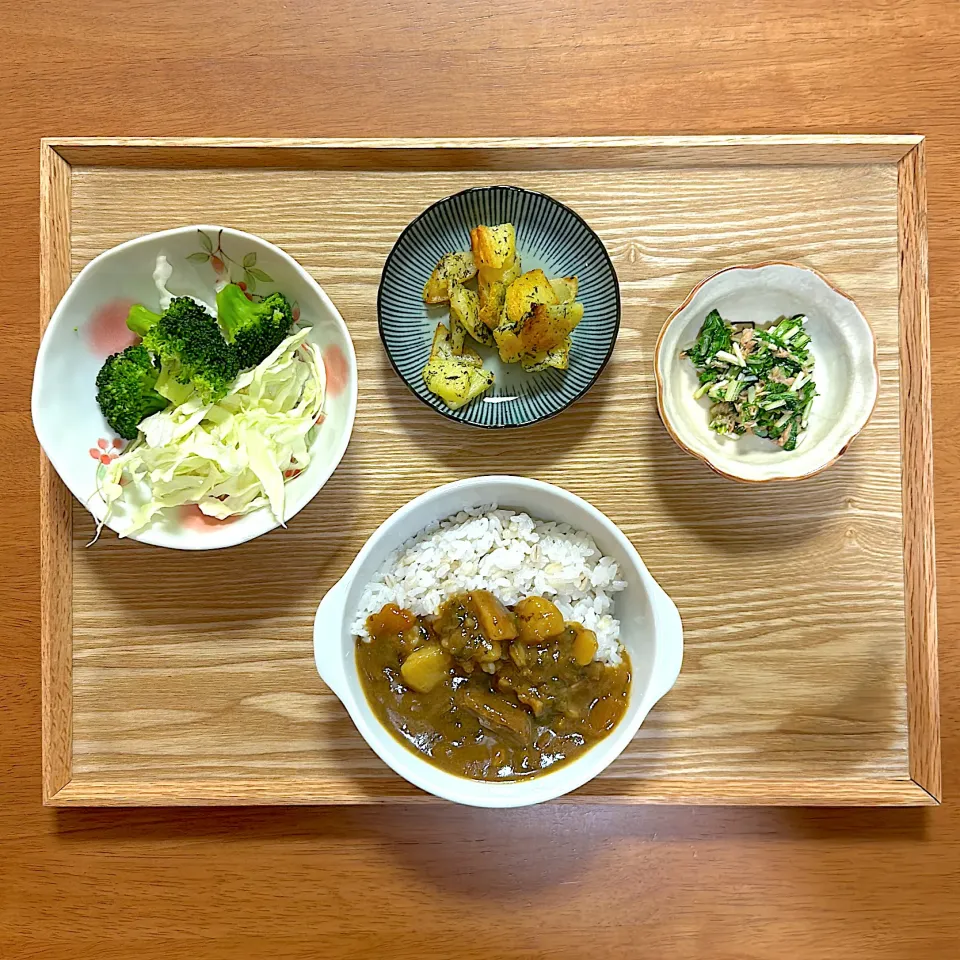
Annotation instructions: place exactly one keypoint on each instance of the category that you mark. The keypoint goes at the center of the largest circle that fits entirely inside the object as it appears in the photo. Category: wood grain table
(558, 881)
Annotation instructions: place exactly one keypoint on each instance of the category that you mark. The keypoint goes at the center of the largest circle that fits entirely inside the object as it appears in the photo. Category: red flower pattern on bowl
(106, 451)
(90, 324)
(107, 331)
(337, 369)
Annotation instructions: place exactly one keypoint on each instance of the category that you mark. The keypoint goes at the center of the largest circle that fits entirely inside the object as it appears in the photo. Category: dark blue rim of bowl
(572, 400)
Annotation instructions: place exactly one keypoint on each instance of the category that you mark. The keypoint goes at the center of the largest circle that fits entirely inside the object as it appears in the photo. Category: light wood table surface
(559, 881)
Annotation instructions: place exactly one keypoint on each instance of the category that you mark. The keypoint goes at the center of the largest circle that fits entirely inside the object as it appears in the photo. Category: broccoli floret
(140, 319)
(191, 349)
(125, 390)
(255, 329)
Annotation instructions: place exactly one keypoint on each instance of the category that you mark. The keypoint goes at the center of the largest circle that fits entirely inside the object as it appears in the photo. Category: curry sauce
(488, 692)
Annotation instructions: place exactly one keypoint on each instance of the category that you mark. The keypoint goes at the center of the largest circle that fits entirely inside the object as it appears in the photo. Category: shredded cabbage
(229, 457)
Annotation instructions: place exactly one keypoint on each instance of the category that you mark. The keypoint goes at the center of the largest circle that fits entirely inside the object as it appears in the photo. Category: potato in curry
(487, 692)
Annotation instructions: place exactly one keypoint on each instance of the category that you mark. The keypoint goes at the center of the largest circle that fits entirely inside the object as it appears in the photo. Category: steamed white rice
(511, 555)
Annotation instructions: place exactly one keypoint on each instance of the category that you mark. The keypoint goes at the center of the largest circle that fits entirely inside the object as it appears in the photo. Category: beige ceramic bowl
(846, 370)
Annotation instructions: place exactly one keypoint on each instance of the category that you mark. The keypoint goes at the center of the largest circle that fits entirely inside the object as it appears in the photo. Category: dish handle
(669, 628)
(327, 638)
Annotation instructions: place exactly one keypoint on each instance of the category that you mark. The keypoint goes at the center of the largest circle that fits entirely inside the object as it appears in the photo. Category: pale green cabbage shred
(228, 457)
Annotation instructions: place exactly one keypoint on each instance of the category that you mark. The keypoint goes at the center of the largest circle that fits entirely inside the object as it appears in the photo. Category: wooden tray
(810, 673)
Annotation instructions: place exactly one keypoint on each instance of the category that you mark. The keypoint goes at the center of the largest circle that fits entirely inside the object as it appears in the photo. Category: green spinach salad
(760, 379)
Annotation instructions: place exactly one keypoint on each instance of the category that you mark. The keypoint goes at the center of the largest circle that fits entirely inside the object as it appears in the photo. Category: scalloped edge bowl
(846, 371)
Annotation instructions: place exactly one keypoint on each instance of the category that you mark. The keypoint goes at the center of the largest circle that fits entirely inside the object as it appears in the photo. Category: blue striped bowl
(550, 236)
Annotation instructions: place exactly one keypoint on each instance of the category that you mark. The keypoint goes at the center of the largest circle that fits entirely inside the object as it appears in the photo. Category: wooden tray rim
(437, 153)
(59, 154)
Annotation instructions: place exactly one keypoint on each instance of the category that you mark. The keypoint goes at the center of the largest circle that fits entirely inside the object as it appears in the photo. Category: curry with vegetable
(488, 692)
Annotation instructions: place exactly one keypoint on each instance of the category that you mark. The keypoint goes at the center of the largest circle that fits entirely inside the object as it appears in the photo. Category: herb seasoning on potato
(526, 316)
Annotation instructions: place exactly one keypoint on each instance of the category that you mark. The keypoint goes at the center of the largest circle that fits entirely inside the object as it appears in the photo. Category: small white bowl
(651, 632)
(845, 372)
(89, 324)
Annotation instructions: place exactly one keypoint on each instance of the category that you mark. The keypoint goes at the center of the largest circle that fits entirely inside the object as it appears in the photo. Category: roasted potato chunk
(470, 356)
(506, 335)
(458, 333)
(528, 290)
(547, 326)
(565, 288)
(494, 246)
(505, 275)
(451, 268)
(512, 272)
(493, 295)
(465, 309)
(450, 343)
(455, 380)
(558, 358)
(526, 316)
(441, 346)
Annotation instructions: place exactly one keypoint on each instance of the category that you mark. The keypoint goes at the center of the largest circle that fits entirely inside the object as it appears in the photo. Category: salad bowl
(89, 324)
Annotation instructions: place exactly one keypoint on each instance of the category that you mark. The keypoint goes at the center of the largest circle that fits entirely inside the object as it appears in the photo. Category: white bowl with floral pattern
(89, 324)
